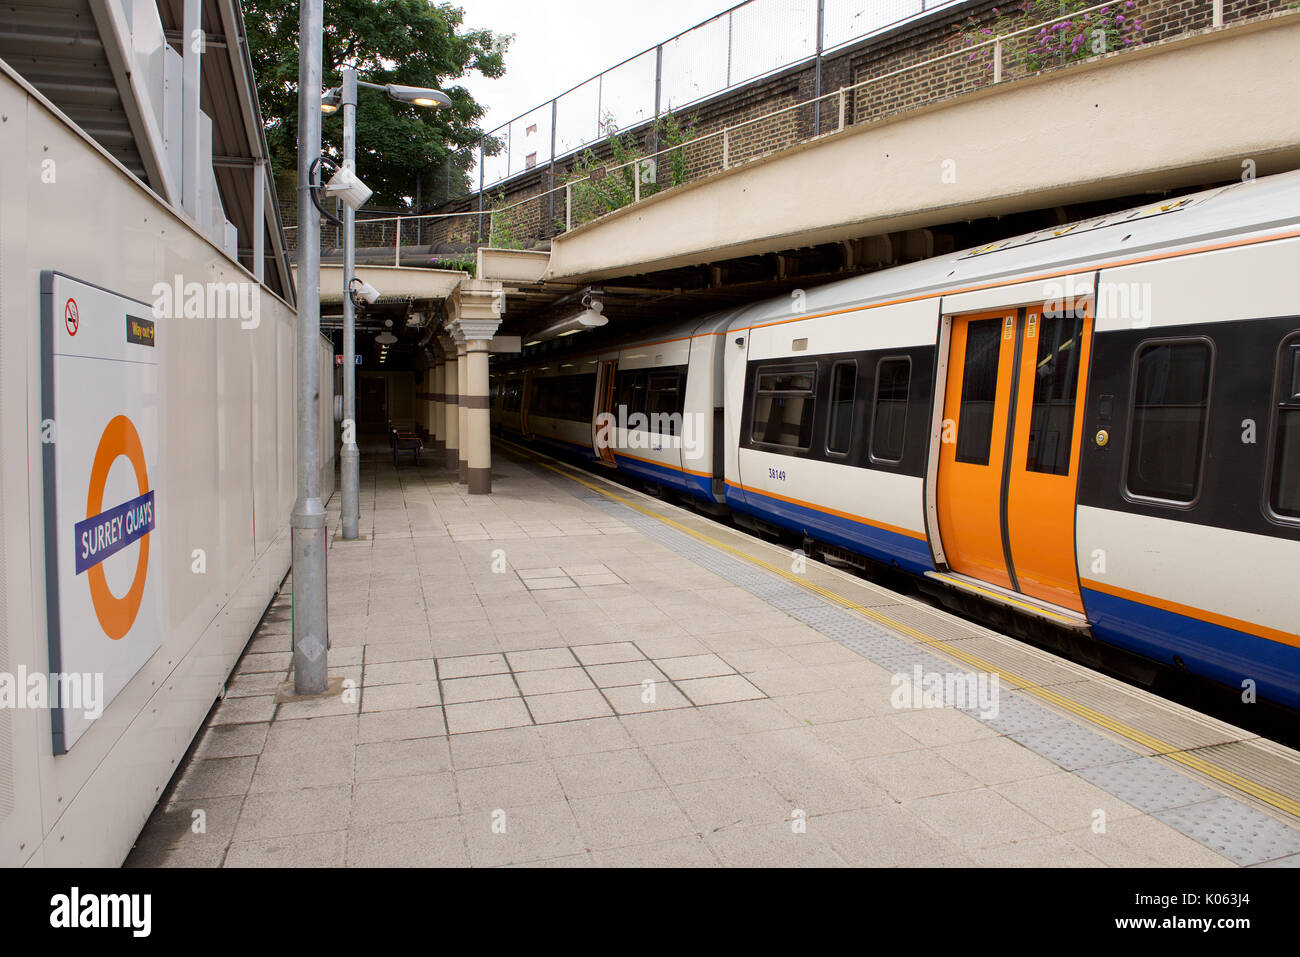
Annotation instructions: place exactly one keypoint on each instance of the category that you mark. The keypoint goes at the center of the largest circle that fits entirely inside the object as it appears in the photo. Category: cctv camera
(349, 188)
(363, 289)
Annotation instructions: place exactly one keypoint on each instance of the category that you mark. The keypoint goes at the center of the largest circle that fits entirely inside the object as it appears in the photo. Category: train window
(566, 397)
(844, 385)
(784, 403)
(1056, 386)
(1171, 401)
(631, 389)
(979, 388)
(1284, 491)
(889, 421)
(664, 402)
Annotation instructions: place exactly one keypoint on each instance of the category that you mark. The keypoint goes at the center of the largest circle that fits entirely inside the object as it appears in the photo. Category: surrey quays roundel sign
(105, 532)
(100, 440)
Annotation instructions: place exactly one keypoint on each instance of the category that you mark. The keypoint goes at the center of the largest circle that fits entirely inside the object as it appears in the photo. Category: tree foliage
(410, 42)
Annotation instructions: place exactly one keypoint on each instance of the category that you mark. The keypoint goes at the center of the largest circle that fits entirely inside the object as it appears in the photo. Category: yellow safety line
(1195, 762)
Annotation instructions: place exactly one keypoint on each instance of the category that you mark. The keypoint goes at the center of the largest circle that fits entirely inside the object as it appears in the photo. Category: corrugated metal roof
(56, 46)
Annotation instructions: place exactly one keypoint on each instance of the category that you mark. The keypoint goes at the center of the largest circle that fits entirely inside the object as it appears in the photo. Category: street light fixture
(417, 95)
(331, 100)
(345, 98)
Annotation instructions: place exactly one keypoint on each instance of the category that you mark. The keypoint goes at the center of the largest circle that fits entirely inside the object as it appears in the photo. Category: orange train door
(604, 437)
(1009, 462)
(972, 457)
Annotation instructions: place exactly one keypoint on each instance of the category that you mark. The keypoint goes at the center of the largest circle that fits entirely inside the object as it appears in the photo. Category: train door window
(889, 420)
(839, 429)
(664, 402)
(1171, 402)
(784, 403)
(1056, 386)
(1284, 490)
(632, 392)
(979, 388)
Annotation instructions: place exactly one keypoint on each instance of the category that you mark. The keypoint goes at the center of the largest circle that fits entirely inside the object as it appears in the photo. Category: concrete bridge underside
(1178, 114)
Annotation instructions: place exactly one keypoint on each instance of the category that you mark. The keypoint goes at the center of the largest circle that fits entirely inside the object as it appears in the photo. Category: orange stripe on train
(1200, 614)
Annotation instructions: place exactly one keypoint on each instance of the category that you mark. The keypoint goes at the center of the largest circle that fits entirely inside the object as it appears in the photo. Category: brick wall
(899, 57)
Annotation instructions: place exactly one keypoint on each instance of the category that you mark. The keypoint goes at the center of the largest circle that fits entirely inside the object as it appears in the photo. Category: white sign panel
(100, 433)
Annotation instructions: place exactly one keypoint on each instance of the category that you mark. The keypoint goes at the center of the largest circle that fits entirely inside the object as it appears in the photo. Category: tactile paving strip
(1147, 785)
(1224, 824)
(1241, 834)
(1292, 861)
(1073, 747)
(1017, 715)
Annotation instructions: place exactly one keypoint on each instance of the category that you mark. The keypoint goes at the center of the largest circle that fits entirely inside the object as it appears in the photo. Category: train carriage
(1096, 426)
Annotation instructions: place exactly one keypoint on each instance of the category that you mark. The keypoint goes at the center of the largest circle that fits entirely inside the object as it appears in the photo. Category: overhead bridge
(1206, 107)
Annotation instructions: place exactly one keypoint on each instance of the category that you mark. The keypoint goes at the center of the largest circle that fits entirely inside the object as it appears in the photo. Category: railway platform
(571, 673)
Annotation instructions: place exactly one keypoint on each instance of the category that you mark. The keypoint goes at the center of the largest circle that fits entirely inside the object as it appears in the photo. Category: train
(1092, 429)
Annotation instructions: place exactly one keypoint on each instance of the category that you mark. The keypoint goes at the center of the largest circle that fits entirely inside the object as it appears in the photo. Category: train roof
(1251, 207)
(1259, 206)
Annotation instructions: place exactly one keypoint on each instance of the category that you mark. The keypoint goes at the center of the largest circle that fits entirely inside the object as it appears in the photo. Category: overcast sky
(559, 43)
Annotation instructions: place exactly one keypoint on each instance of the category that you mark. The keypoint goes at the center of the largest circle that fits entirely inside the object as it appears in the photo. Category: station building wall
(225, 483)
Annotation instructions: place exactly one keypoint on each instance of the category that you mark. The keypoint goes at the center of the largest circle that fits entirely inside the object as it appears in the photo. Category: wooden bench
(408, 442)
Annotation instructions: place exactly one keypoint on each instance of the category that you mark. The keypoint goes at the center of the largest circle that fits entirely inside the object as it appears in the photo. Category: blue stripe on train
(910, 554)
(1222, 654)
(699, 486)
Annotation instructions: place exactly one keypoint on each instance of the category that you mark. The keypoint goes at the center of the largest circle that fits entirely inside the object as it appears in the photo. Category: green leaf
(411, 42)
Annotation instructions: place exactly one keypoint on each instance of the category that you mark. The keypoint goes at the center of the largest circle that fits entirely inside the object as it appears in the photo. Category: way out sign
(103, 560)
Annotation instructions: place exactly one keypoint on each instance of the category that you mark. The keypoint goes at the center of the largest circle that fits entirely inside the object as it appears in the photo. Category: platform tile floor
(531, 680)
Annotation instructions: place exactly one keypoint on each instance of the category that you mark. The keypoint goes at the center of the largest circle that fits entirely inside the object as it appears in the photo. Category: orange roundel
(117, 615)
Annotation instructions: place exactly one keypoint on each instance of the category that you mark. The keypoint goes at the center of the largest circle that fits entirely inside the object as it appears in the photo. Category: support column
(462, 461)
(438, 418)
(475, 310)
(451, 401)
(191, 102)
(478, 416)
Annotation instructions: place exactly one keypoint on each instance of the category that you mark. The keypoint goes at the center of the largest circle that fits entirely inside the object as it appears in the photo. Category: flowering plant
(1068, 31)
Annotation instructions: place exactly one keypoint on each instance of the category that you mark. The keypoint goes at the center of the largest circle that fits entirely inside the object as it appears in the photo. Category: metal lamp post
(310, 619)
(346, 98)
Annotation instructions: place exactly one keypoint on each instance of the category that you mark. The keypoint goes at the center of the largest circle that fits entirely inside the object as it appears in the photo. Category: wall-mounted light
(590, 318)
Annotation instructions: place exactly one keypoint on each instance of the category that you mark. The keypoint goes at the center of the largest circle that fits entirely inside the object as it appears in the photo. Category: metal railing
(737, 46)
(1002, 56)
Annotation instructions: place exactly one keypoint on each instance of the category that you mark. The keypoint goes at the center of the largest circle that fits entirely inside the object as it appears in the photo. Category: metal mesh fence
(737, 46)
(608, 154)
